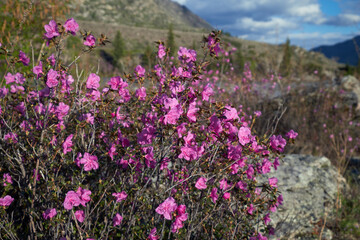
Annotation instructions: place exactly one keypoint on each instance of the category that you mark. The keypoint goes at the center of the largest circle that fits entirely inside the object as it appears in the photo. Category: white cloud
(346, 19)
(272, 24)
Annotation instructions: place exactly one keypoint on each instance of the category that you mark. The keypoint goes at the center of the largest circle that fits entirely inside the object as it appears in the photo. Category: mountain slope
(344, 52)
(144, 13)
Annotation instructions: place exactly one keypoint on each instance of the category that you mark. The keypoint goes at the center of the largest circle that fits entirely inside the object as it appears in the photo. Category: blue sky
(308, 23)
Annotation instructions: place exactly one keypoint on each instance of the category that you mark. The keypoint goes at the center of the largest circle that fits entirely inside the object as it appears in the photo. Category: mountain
(345, 52)
(139, 13)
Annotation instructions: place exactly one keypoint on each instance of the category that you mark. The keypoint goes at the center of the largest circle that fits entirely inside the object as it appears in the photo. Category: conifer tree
(119, 46)
(285, 66)
(171, 40)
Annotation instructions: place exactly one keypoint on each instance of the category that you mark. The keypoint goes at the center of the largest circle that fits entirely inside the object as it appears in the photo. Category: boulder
(352, 85)
(309, 186)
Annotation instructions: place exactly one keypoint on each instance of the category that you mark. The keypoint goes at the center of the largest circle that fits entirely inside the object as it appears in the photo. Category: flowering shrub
(150, 155)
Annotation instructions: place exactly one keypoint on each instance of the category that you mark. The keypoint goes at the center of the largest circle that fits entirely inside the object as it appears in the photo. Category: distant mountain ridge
(140, 13)
(344, 52)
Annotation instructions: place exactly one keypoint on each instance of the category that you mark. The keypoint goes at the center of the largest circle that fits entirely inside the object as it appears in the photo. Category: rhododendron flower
(292, 134)
(141, 93)
(49, 213)
(62, 110)
(265, 168)
(117, 220)
(7, 179)
(84, 195)
(192, 111)
(267, 219)
(139, 71)
(207, 92)
(37, 70)
(201, 183)
(51, 30)
(93, 81)
(146, 135)
(80, 215)
(120, 196)
(166, 208)
(11, 137)
(250, 209)
(224, 185)
(52, 78)
(273, 182)
(71, 26)
(68, 144)
(90, 41)
(244, 135)
(215, 125)
(173, 115)
(161, 51)
(152, 235)
(6, 201)
(90, 162)
(277, 143)
(226, 196)
(231, 113)
(71, 199)
(23, 58)
(52, 60)
(214, 196)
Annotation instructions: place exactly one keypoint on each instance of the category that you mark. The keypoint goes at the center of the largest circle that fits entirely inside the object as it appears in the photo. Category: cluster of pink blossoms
(167, 208)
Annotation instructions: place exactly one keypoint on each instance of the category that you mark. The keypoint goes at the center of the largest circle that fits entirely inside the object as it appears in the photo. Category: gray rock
(309, 186)
(352, 85)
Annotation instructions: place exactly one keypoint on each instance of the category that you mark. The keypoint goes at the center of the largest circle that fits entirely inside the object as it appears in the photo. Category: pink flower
(93, 81)
(117, 220)
(152, 235)
(68, 144)
(52, 60)
(71, 26)
(250, 209)
(112, 152)
(226, 195)
(207, 92)
(146, 135)
(231, 113)
(84, 195)
(292, 134)
(80, 216)
(49, 213)
(242, 185)
(90, 41)
(214, 196)
(161, 51)
(201, 183)
(6, 201)
(62, 110)
(90, 162)
(244, 135)
(265, 168)
(191, 114)
(141, 93)
(71, 199)
(173, 115)
(224, 185)
(139, 71)
(52, 78)
(215, 125)
(273, 182)
(166, 208)
(277, 143)
(120, 196)
(267, 219)
(37, 70)
(7, 179)
(23, 58)
(117, 82)
(51, 30)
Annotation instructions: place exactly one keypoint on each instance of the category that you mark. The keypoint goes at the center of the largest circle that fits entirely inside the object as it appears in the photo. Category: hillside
(344, 52)
(149, 13)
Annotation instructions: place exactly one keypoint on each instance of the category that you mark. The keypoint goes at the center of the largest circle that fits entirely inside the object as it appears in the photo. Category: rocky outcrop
(309, 186)
(352, 86)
